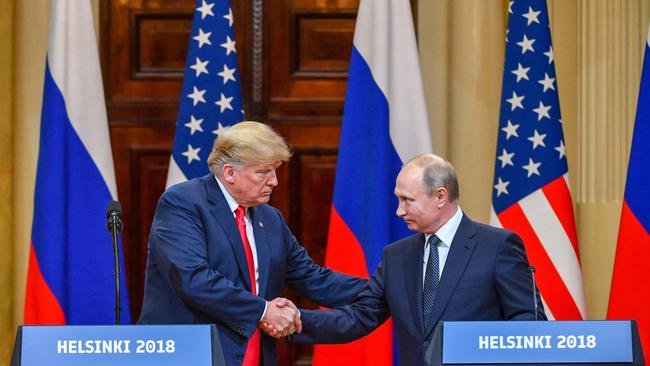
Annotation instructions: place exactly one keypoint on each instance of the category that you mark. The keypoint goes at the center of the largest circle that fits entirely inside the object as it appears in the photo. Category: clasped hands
(281, 319)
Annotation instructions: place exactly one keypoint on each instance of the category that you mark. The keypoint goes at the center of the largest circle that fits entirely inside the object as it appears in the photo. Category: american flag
(211, 97)
(531, 184)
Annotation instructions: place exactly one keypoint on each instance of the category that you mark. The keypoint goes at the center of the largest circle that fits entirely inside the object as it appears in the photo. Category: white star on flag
(510, 130)
(532, 16)
(227, 74)
(542, 111)
(532, 167)
(501, 187)
(526, 45)
(561, 149)
(537, 139)
(203, 38)
(194, 125)
(506, 158)
(229, 45)
(219, 130)
(229, 17)
(224, 103)
(521, 72)
(549, 54)
(192, 154)
(515, 101)
(200, 67)
(547, 82)
(197, 96)
(205, 9)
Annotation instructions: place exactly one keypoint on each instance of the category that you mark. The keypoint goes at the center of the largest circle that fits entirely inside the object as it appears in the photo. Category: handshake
(281, 319)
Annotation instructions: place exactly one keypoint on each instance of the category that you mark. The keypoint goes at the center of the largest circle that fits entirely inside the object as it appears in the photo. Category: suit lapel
(226, 220)
(261, 245)
(461, 250)
(413, 259)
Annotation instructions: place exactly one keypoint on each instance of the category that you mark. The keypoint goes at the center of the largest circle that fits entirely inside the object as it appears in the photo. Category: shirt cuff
(266, 304)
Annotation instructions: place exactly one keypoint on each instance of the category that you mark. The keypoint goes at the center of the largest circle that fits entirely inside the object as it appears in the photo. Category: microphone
(114, 217)
(532, 274)
(114, 226)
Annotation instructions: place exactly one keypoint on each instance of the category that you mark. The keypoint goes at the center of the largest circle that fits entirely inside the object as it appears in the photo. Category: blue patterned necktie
(431, 280)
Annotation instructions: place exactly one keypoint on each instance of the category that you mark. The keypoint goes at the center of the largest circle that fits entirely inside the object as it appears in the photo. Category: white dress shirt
(232, 203)
(446, 235)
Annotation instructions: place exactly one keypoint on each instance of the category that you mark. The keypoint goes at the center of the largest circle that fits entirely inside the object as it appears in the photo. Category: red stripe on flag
(41, 307)
(559, 197)
(344, 254)
(550, 283)
(629, 297)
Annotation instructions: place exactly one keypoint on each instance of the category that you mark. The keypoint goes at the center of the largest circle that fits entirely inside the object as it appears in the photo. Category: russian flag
(629, 297)
(70, 276)
(384, 124)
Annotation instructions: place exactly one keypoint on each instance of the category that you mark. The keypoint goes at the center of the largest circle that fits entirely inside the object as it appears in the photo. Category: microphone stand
(115, 228)
(532, 273)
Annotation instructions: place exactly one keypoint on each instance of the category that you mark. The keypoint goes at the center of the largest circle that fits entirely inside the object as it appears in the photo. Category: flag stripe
(629, 297)
(83, 92)
(367, 167)
(556, 244)
(381, 39)
(558, 196)
(551, 286)
(342, 240)
(41, 307)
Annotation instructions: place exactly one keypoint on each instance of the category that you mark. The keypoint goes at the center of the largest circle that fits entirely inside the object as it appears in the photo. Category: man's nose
(400, 210)
(273, 179)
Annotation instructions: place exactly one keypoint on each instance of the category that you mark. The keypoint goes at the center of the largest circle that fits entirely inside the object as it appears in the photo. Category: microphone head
(113, 207)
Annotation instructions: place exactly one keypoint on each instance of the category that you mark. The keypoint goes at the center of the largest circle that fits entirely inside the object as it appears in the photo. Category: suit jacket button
(239, 356)
(425, 344)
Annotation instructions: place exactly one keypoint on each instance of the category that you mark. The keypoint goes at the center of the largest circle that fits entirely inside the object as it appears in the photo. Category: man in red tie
(218, 253)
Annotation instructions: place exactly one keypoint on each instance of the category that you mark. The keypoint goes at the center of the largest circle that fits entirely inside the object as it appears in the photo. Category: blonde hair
(247, 143)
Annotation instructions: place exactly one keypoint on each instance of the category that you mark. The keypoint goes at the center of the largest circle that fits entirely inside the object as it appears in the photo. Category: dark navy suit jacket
(197, 270)
(486, 277)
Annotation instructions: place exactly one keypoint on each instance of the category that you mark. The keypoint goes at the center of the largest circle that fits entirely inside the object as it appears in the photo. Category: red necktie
(252, 356)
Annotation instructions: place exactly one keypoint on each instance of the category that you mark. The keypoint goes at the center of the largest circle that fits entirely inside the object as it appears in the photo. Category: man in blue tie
(452, 269)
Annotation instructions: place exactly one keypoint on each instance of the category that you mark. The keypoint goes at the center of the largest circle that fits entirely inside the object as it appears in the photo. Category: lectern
(535, 343)
(124, 345)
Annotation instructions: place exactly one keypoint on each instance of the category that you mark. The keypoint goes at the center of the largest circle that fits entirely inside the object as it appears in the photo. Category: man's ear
(229, 173)
(441, 196)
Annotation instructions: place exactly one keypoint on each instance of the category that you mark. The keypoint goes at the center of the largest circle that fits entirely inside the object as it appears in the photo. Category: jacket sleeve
(178, 247)
(514, 281)
(350, 322)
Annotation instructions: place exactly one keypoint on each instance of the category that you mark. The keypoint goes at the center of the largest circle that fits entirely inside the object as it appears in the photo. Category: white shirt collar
(447, 232)
(232, 203)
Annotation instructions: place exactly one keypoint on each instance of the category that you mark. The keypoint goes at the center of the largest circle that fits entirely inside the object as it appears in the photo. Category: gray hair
(247, 143)
(437, 172)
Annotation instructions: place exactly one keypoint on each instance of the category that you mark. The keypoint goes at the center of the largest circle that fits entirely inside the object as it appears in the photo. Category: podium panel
(117, 345)
(535, 343)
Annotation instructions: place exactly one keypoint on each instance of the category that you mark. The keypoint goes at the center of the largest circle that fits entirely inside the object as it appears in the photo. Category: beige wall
(30, 46)
(6, 220)
(598, 48)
